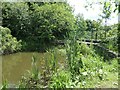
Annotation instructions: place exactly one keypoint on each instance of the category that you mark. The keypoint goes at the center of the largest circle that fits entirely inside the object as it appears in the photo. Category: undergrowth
(83, 69)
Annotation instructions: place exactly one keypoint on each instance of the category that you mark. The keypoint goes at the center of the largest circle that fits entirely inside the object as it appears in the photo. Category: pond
(14, 66)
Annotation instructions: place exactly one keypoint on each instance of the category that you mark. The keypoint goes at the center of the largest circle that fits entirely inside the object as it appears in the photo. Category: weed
(4, 85)
(35, 72)
(73, 54)
(60, 79)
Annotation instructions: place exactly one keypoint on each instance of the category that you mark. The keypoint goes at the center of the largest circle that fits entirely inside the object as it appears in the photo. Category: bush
(112, 39)
(61, 79)
(85, 49)
(16, 18)
(51, 22)
(9, 44)
(38, 25)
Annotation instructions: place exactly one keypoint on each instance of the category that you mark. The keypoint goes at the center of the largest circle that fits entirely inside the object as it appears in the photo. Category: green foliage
(51, 63)
(114, 66)
(83, 63)
(107, 8)
(4, 85)
(111, 38)
(61, 79)
(22, 84)
(35, 72)
(73, 54)
(38, 25)
(93, 65)
(16, 17)
(93, 70)
(81, 25)
(94, 29)
(86, 50)
(9, 44)
(53, 21)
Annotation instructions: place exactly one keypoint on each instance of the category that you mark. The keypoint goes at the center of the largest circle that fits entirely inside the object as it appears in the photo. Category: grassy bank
(94, 73)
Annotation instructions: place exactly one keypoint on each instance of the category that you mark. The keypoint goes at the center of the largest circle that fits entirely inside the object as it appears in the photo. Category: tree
(109, 6)
(81, 25)
(51, 21)
(107, 10)
(94, 26)
(90, 27)
(37, 24)
(16, 17)
(90, 4)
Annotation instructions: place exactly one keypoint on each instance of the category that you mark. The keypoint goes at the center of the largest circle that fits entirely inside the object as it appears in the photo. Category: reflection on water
(14, 66)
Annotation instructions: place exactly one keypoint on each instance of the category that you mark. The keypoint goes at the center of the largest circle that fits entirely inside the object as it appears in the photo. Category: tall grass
(73, 54)
(35, 72)
(32, 80)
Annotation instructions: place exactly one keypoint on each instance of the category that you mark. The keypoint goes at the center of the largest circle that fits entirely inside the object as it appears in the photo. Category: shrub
(85, 49)
(9, 44)
(40, 25)
(61, 79)
(16, 18)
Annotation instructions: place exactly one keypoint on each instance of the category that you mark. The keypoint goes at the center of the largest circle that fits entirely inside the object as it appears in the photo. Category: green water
(14, 66)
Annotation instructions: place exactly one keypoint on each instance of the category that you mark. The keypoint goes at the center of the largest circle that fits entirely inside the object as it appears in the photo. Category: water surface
(14, 66)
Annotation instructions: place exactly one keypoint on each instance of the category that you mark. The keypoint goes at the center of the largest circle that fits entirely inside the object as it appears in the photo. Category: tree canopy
(39, 22)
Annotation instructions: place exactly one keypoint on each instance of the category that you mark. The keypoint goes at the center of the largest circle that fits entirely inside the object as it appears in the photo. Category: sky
(92, 13)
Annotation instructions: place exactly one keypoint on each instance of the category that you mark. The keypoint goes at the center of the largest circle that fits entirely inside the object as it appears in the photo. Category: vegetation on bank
(38, 25)
(112, 38)
(8, 44)
(83, 68)
(91, 72)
